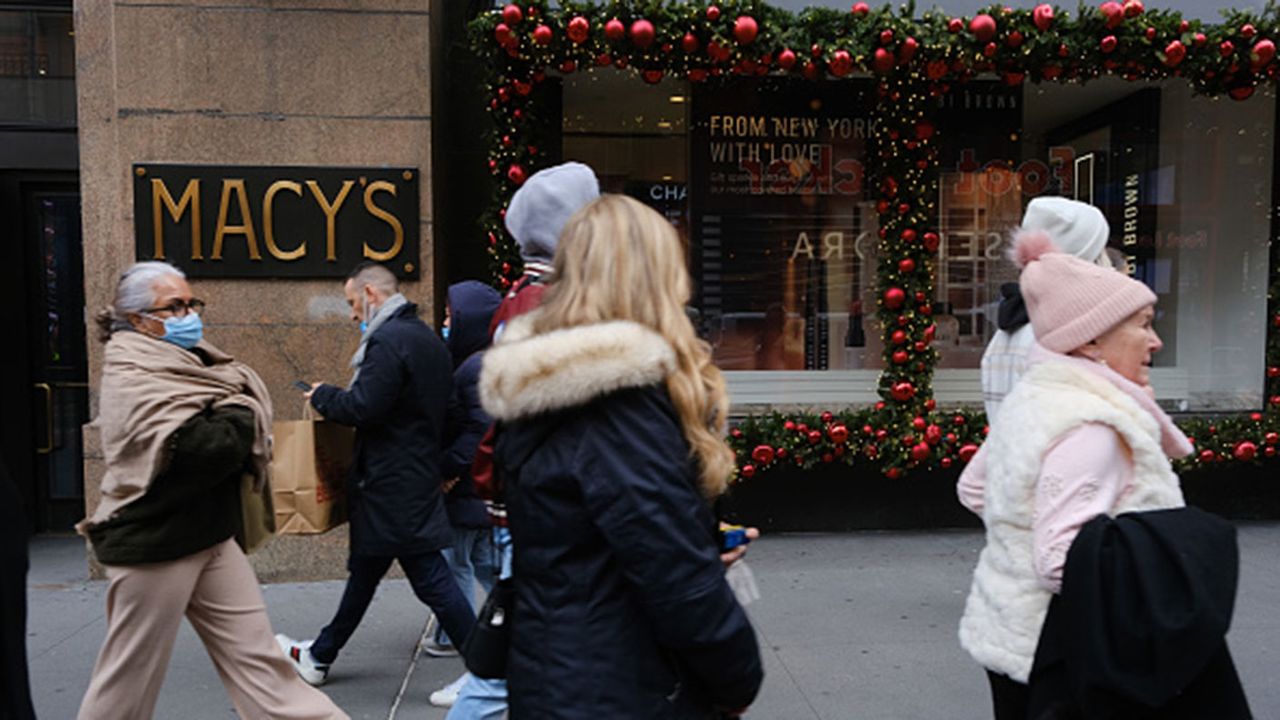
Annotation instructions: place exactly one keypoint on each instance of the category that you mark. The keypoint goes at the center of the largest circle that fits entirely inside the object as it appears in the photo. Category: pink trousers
(218, 593)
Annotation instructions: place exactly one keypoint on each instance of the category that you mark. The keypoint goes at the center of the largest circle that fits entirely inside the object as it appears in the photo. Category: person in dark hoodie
(470, 306)
(1078, 229)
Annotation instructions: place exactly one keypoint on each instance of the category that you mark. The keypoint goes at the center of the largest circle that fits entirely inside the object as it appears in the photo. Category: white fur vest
(1007, 606)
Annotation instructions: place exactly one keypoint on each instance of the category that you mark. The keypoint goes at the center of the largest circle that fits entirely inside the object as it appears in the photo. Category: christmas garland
(913, 58)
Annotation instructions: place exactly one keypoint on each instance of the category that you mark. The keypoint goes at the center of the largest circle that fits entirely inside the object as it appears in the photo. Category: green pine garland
(913, 58)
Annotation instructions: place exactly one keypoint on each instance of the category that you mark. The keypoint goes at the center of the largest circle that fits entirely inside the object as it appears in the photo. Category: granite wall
(251, 82)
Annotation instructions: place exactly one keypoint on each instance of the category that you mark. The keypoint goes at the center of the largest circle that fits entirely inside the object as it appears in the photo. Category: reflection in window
(37, 68)
(766, 178)
(1185, 183)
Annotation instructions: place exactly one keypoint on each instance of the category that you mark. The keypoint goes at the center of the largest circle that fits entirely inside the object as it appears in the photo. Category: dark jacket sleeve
(466, 424)
(211, 446)
(374, 394)
(640, 496)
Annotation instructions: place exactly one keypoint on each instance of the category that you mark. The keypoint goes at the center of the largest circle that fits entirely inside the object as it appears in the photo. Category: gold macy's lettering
(234, 193)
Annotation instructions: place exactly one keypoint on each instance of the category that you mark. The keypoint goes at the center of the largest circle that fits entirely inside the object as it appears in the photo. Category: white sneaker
(448, 695)
(298, 653)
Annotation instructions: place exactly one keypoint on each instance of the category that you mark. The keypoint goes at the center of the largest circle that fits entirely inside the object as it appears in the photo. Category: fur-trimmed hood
(526, 375)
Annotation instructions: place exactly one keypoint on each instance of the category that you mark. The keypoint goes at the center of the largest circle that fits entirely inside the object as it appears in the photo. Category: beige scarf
(150, 388)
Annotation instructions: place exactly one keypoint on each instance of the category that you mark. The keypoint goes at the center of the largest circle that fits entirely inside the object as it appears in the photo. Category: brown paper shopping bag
(309, 469)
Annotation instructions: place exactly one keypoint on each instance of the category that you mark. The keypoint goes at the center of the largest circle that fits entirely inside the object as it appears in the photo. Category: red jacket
(525, 295)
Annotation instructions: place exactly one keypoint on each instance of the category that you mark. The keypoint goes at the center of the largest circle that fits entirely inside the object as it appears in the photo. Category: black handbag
(485, 650)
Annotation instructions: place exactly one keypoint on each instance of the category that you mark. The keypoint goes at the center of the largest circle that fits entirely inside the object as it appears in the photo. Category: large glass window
(1186, 185)
(767, 181)
(37, 69)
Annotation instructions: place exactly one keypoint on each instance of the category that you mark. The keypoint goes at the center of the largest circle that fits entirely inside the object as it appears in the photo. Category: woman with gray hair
(186, 441)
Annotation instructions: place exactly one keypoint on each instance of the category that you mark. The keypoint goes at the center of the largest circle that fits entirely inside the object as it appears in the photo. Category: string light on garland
(912, 59)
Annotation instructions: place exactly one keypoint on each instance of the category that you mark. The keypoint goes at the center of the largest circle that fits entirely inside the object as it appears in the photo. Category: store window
(37, 69)
(767, 181)
(1186, 185)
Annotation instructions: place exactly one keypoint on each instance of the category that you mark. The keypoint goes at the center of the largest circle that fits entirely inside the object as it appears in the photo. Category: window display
(766, 178)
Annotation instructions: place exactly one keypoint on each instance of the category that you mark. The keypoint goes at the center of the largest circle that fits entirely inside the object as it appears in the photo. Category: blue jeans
(428, 576)
(471, 558)
(485, 699)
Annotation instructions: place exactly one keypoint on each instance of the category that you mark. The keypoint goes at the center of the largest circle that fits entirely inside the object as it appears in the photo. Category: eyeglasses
(180, 308)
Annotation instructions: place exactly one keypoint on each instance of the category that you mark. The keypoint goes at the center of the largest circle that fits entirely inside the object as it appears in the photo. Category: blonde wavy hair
(620, 260)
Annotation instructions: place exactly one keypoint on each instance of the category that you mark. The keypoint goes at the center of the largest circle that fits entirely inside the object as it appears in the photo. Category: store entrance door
(46, 394)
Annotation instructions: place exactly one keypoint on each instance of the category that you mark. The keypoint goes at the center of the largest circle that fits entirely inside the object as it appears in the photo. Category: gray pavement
(853, 627)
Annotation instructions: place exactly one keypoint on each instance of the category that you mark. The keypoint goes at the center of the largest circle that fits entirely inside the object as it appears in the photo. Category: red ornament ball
(1113, 12)
(1133, 8)
(788, 425)
(786, 59)
(745, 30)
(983, 27)
(1263, 52)
(516, 174)
(689, 43)
(1109, 44)
(748, 471)
(1042, 16)
(615, 30)
(909, 48)
(1241, 92)
(883, 62)
(898, 337)
(827, 417)
(542, 35)
(861, 9)
(1271, 438)
(642, 33)
(931, 241)
(815, 437)
(1207, 456)
(578, 29)
(511, 14)
(955, 25)
(838, 434)
(893, 473)
(713, 13)
(920, 452)
(967, 451)
(1174, 53)
(945, 462)
(653, 77)
(902, 391)
(1245, 451)
(894, 298)
(841, 63)
(762, 454)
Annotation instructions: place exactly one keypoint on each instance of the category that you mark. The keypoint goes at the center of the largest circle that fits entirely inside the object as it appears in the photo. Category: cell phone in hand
(304, 387)
(732, 536)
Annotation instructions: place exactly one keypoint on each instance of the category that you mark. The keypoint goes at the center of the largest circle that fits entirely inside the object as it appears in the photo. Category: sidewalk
(853, 627)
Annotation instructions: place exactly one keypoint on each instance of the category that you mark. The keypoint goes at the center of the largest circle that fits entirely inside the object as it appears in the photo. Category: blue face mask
(185, 332)
(364, 306)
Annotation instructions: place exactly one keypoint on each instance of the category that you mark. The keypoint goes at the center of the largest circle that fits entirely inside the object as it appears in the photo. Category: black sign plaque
(231, 221)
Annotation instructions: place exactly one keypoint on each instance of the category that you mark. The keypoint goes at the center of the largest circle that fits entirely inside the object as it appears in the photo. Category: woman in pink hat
(1080, 435)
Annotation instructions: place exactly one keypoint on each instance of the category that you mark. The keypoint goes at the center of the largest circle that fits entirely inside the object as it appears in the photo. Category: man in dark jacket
(397, 402)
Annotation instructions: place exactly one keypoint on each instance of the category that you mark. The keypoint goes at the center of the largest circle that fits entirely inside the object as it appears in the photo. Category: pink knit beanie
(1071, 301)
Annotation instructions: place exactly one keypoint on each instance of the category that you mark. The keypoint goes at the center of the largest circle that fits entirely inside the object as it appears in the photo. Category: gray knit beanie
(541, 207)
